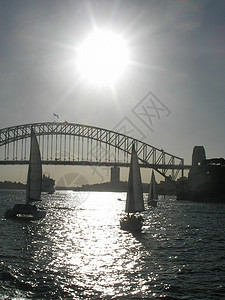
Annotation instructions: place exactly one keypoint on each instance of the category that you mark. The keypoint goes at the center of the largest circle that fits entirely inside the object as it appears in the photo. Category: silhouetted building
(115, 175)
(205, 180)
(167, 187)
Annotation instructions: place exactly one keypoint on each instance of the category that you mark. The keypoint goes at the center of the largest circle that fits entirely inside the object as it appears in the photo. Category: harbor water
(78, 251)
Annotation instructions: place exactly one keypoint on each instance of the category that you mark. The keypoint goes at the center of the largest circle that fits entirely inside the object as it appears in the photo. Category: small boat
(51, 191)
(152, 195)
(119, 199)
(48, 184)
(134, 200)
(34, 185)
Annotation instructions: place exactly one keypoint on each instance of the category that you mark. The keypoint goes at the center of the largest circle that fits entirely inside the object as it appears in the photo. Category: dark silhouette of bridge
(76, 144)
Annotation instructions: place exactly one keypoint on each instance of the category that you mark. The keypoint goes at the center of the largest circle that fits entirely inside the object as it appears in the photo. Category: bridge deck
(89, 163)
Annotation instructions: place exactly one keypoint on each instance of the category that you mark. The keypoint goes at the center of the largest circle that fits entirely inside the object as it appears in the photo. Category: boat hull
(132, 224)
(25, 212)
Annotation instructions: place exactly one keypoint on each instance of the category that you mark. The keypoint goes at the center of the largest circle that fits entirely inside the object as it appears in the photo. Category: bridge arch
(76, 144)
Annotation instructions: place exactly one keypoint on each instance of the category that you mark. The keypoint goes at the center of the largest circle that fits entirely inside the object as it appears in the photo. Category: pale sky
(177, 49)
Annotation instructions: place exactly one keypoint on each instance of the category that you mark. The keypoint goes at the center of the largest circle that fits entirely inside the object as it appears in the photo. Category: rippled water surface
(78, 250)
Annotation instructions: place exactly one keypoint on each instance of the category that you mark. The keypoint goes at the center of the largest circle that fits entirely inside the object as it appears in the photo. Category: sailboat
(34, 185)
(134, 200)
(152, 195)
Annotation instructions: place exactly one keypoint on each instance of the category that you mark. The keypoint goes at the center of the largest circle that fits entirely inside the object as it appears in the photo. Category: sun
(102, 57)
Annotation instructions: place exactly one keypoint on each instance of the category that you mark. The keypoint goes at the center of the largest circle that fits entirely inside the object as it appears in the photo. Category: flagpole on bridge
(55, 116)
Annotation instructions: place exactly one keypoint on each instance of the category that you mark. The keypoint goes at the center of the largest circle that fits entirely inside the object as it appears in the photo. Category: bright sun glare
(102, 57)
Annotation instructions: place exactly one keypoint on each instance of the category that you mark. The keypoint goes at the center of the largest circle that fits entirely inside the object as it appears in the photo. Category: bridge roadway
(99, 164)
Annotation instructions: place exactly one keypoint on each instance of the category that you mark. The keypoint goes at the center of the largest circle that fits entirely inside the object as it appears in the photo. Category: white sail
(34, 176)
(134, 202)
(152, 195)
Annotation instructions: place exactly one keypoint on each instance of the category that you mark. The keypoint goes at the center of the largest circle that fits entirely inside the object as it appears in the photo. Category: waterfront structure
(205, 180)
(196, 176)
(66, 143)
(115, 175)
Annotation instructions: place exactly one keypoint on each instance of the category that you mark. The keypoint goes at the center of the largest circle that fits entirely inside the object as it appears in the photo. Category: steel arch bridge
(76, 144)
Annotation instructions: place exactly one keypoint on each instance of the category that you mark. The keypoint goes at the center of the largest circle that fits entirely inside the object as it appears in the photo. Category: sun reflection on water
(87, 243)
(79, 252)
